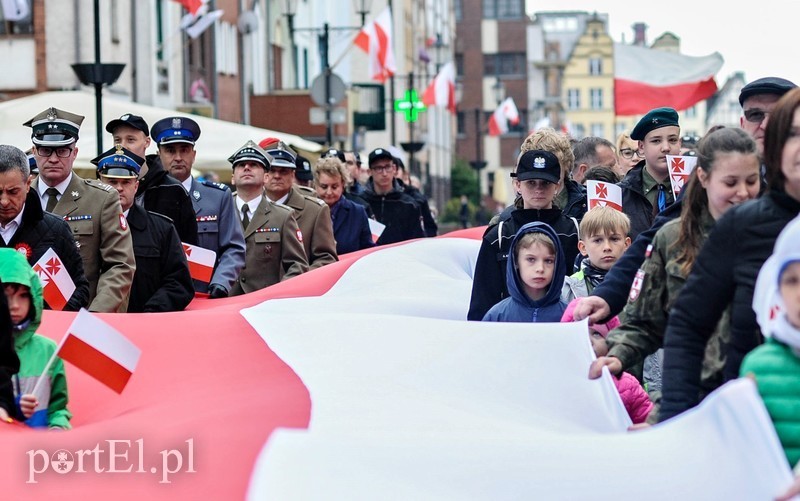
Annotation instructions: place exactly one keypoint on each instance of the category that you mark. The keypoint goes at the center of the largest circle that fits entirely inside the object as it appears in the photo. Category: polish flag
(203, 23)
(680, 167)
(376, 40)
(201, 262)
(57, 285)
(99, 350)
(600, 194)
(376, 228)
(442, 90)
(191, 5)
(647, 78)
(504, 115)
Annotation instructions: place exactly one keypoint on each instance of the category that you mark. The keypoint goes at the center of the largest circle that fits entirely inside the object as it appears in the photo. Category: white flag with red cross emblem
(57, 285)
(201, 261)
(680, 167)
(600, 194)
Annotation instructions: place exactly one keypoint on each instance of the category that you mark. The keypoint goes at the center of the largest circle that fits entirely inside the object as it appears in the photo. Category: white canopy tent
(218, 141)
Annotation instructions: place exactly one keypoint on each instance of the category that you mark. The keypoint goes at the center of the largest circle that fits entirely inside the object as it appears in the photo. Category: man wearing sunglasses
(90, 208)
(758, 98)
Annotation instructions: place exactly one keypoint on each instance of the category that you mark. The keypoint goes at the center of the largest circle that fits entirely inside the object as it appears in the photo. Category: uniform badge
(299, 235)
(123, 223)
(649, 251)
(74, 193)
(196, 195)
(268, 249)
(24, 249)
(176, 123)
(636, 286)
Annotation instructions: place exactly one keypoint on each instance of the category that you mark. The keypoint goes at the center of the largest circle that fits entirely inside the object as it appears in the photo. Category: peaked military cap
(175, 130)
(251, 152)
(118, 162)
(32, 162)
(282, 154)
(654, 119)
(54, 127)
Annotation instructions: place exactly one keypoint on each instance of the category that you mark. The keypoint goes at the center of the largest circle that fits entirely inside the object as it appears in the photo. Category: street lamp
(499, 89)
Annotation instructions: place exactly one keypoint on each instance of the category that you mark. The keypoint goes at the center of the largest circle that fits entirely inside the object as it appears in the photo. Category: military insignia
(267, 230)
(203, 219)
(649, 251)
(655, 120)
(636, 286)
(74, 193)
(299, 235)
(196, 195)
(538, 163)
(176, 123)
(123, 223)
(24, 249)
(51, 114)
(78, 218)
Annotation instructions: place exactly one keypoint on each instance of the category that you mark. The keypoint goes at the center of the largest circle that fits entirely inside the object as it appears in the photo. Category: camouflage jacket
(658, 283)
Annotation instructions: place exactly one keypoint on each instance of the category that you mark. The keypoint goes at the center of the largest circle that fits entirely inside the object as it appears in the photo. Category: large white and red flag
(57, 285)
(201, 261)
(600, 194)
(647, 78)
(442, 90)
(376, 40)
(680, 167)
(506, 114)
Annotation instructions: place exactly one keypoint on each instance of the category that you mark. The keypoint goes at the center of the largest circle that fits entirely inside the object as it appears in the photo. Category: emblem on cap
(125, 117)
(655, 120)
(539, 163)
(176, 123)
(51, 114)
(378, 151)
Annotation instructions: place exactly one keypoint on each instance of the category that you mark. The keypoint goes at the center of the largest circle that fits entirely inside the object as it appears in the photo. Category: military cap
(54, 127)
(379, 153)
(654, 119)
(251, 152)
(129, 120)
(175, 130)
(34, 167)
(282, 154)
(538, 164)
(118, 162)
(304, 169)
(768, 85)
(334, 153)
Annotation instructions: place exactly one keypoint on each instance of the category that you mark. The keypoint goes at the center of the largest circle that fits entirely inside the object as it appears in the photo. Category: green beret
(654, 119)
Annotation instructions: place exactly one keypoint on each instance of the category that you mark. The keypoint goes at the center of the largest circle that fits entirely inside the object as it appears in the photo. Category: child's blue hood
(515, 286)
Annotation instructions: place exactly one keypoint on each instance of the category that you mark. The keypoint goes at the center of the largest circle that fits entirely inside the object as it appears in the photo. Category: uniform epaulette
(306, 190)
(98, 184)
(312, 198)
(160, 215)
(282, 206)
(218, 186)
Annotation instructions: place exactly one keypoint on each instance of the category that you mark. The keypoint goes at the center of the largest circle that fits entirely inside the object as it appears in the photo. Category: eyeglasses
(755, 115)
(381, 168)
(629, 153)
(46, 152)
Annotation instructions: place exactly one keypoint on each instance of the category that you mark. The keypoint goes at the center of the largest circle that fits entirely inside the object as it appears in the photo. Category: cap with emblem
(768, 85)
(334, 153)
(32, 161)
(129, 120)
(538, 164)
(282, 154)
(303, 172)
(654, 119)
(175, 130)
(379, 153)
(118, 162)
(251, 152)
(54, 127)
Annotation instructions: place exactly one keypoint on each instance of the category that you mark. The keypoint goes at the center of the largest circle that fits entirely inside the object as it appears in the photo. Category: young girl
(727, 174)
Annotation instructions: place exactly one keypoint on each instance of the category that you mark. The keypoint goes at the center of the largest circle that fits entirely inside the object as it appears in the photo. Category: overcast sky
(762, 42)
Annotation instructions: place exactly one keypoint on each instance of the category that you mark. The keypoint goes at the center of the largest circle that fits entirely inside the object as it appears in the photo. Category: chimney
(640, 34)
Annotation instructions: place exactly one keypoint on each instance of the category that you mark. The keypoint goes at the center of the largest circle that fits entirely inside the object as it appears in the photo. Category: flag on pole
(202, 24)
(600, 194)
(57, 285)
(504, 115)
(442, 90)
(15, 10)
(99, 350)
(191, 5)
(679, 169)
(376, 40)
(648, 78)
(376, 229)
(201, 262)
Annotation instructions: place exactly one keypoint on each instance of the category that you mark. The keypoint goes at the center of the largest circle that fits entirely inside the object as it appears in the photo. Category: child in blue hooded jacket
(534, 275)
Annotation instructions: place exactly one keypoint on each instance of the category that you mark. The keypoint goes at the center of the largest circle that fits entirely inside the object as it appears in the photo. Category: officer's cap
(34, 167)
(253, 153)
(118, 162)
(768, 85)
(175, 130)
(129, 120)
(654, 119)
(282, 154)
(54, 127)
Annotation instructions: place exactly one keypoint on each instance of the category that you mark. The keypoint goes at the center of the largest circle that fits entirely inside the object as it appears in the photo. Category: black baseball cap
(129, 120)
(379, 153)
(538, 164)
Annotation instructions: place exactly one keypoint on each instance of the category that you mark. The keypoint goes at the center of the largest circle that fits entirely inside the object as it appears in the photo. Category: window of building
(595, 66)
(691, 112)
(503, 9)
(458, 9)
(579, 130)
(598, 130)
(619, 128)
(461, 127)
(573, 99)
(18, 24)
(596, 96)
(560, 24)
(459, 61)
(505, 64)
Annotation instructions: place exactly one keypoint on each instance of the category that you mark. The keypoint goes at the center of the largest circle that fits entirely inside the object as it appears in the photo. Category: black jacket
(162, 193)
(39, 232)
(162, 281)
(398, 211)
(489, 282)
(634, 203)
(576, 200)
(429, 225)
(724, 274)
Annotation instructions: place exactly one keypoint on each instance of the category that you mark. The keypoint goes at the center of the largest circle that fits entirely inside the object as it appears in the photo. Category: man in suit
(274, 251)
(91, 209)
(217, 228)
(312, 214)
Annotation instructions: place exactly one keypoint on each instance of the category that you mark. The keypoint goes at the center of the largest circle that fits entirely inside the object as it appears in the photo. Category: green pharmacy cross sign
(410, 105)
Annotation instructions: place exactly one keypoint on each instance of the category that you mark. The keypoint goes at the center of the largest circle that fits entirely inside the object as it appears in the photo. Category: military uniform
(274, 253)
(314, 219)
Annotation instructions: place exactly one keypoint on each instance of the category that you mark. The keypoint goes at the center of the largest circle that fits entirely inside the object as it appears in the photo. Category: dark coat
(576, 200)
(489, 280)
(162, 193)
(42, 230)
(429, 225)
(351, 228)
(162, 281)
(398, 211)
(724, 274)
(634, 203)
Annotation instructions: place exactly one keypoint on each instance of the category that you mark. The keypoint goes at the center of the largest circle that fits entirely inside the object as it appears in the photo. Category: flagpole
(47, 366)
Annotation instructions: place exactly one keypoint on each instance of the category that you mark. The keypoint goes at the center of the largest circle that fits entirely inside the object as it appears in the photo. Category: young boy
(537, 179)
(23, 292)
(534, 274)
(604, 238)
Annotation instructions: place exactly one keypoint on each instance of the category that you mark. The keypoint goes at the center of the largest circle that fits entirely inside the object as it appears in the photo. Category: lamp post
(478, 164)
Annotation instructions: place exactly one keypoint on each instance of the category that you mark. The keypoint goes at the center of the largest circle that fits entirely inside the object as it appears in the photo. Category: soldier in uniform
(274, 251)
(312, 214)
(162, 281)
(217, 228)
(90, 207)
(158, 191)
